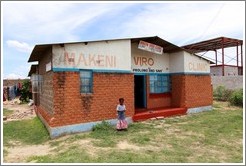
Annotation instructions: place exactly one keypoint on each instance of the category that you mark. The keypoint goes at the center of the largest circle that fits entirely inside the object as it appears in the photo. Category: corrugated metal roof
(33, 69)
(38, 51)
(212, 44)
(168, 47)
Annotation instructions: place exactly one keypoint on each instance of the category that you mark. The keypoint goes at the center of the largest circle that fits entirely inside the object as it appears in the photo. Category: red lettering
(69, 59)
(100, 60)
(92, 59)
(137, 60)
(110, 61)
(81, 60)
(114, 61)
(144, 61)
(197, 66)
(150, 61)
(190, 66)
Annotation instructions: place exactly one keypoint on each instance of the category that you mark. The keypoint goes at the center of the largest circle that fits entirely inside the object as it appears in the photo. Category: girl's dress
(122, 123)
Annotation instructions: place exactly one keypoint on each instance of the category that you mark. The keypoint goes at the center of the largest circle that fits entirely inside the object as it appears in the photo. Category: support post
(242, 54)
(237, 54)
(216, 57)
(223, 67)
(241, 59)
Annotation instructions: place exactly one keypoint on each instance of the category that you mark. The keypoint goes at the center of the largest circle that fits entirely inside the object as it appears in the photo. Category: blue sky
(25, 24)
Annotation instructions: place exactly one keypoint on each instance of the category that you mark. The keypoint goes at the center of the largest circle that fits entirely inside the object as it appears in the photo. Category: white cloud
(182, 23)
(20, 46)
(179, 23)
(19, 71)
(51, 22)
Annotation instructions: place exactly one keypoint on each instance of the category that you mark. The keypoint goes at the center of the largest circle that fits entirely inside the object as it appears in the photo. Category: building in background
(12, 88)
(228, 73)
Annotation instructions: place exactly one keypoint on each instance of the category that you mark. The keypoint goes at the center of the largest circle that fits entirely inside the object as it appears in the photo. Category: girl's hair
(121, 99)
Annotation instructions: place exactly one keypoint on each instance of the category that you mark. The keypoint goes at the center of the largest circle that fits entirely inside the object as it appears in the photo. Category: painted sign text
(194, 66)
(143, 61)
(71, 59)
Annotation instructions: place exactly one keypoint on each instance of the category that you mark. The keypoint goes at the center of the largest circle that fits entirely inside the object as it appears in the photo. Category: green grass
(30, 131)
(7, 112)
(208, 137)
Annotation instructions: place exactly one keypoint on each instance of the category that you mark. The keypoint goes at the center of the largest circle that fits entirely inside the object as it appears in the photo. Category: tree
(25, 91)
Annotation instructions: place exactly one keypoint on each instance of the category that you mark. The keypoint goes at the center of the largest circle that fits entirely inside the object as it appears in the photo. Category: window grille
(159, 83)
(85, 81)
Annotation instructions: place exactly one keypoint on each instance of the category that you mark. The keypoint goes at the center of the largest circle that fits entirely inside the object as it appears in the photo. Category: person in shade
(121, 109)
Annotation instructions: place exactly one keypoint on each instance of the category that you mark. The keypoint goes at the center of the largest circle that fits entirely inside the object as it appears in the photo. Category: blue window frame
(159, 83)
(86, 81)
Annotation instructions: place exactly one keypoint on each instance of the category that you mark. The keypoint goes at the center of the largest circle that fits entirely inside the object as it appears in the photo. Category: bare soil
(20, 153)
(21, 111)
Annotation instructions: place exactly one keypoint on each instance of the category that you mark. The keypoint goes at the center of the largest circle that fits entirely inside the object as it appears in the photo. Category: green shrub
(222, 94)
(25, 91)
(102, 131)
(102, 126)
(237, 98)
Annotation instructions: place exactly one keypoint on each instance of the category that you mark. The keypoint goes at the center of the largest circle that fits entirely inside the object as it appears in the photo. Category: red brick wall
(191, 91)
(157, 100)
(178, 91)
(199, 91)
(45, 114)
(72, 107)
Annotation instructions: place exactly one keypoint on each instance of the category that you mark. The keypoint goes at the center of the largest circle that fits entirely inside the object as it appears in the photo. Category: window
(159, 83)
(85, 81)
(37, 83)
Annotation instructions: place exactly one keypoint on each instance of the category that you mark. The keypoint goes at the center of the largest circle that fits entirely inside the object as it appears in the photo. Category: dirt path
(20, 111)
(19, 154)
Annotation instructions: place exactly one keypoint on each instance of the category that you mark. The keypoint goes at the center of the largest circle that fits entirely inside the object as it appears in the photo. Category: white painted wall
(124, 55)
(195, 64)
(183, 61)
(231, 71)
(102, 55)
(228, 71)
(176, 62)
(216, 71)
(148, 62)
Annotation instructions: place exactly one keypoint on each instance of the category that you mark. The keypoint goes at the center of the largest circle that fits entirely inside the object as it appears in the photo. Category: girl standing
(121, 108)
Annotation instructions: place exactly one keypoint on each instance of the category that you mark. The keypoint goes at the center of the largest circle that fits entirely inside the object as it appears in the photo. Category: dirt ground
(18, 153)
(20, 111)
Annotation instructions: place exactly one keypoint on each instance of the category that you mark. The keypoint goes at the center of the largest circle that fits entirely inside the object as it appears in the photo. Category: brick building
(76, 85)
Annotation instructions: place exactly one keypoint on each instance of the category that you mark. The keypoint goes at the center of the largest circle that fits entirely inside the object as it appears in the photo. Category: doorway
(140, 91)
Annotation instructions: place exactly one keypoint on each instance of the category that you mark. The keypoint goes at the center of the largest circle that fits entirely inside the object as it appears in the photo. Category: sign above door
(150, 47)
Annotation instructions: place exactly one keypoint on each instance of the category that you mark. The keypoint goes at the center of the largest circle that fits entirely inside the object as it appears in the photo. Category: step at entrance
(140, 116)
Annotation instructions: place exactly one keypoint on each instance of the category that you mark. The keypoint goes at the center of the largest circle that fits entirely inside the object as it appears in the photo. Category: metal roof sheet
(168, 47)
(212, 44)
(32, 70)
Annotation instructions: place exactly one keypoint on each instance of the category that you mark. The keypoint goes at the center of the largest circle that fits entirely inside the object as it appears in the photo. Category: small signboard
(150, 47)
(48, 66)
